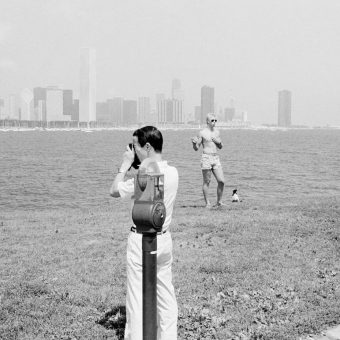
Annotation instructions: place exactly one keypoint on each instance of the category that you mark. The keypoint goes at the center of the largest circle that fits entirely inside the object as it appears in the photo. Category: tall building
(178, 101)
(2, 108)
(102, 112)
(39, 93)
(144, 110)
(244, 116)
(13, 107)
(67, 103)
(169, 116)
(26, 104)
(176, 86)
(40, 110)
(161, 108)
(160, 96)
(54, 105)
(219, 113)
(153, 117)
(75, 112)
(177, 107)
(39, 103)
(197, 117)
(176, 90)
(87, 94)
(207, 102)
(170, 111)
(115, 108)
(284, 108)
(130, 112)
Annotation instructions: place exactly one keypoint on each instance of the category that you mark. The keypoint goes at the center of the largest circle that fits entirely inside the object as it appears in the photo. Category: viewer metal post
(148, 214)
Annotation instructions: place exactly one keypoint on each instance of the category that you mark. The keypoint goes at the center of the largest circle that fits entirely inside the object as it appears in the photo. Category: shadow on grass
(192, 206)
(203, 207)
(115, 319)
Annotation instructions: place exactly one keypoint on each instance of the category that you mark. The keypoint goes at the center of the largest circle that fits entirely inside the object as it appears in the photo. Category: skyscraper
(284, 108)
(2, 108)
(13, 107)
(207, 102)
(39, 93)
(26, 105)
(244, 116)
(161, 108)
(177, 107)
(67, 103)
(169, 116)
(115, 107)
(40, 110)
(54, 105)
(144, 110)
(176, 90)
(197, 115)
(102, 112)
(130, 111)
(75, 112)
(178, 101)
(87, 97)
(39, 102)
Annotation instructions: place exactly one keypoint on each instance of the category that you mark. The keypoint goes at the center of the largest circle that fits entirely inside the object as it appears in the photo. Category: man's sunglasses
(214, 120)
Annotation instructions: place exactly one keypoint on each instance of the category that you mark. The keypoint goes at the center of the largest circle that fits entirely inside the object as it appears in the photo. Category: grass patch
(246, 271)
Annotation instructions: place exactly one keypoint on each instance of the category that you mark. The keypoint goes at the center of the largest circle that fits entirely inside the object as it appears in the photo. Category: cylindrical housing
(149, 215)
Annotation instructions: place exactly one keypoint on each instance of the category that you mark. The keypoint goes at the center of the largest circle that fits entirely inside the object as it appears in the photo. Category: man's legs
(218, 173)
(206, 181)
(166, 300)
(134, 294)
(167, 312)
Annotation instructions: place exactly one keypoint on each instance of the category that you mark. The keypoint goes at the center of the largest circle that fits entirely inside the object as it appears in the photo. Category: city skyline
(246, 51)
(35, 108)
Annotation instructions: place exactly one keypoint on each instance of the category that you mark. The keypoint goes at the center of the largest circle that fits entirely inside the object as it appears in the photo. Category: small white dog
(234, 197)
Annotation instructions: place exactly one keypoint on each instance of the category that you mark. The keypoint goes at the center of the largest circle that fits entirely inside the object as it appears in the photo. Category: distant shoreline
(131, 128)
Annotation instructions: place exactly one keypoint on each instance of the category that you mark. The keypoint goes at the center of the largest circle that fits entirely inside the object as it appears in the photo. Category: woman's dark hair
(151, 135)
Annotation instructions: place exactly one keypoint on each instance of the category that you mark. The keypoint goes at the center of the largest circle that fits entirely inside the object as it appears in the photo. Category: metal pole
(149, 246)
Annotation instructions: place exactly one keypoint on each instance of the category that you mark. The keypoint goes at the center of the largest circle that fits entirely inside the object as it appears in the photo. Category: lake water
(72, 169)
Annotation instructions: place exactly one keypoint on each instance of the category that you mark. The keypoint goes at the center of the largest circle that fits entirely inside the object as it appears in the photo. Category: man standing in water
(210, 140)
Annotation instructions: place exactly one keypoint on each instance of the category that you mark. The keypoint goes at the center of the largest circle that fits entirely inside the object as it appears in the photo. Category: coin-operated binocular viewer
(148, 214)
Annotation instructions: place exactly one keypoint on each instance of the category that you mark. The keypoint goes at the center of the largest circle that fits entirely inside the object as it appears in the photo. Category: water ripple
(44, 170)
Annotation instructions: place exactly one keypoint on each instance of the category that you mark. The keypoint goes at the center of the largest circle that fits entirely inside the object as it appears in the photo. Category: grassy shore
(253, 270)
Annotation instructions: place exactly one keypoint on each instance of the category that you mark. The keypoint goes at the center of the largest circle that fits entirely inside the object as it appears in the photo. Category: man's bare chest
(207, 137)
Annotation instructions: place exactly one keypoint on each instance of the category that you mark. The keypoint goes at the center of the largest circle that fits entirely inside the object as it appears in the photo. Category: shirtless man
(210, 139)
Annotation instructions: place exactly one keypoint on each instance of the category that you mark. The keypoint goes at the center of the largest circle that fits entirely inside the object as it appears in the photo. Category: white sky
(245, 49)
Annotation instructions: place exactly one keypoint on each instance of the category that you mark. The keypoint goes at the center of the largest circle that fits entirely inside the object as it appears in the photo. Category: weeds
(240, 273)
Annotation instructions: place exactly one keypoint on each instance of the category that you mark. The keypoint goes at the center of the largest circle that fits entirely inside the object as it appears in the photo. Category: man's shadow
(115, 319)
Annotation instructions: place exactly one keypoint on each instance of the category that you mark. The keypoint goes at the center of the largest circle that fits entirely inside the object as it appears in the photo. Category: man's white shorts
(210, 161)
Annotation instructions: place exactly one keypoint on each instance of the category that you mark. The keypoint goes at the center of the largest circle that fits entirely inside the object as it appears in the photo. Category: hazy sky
(246, 49)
